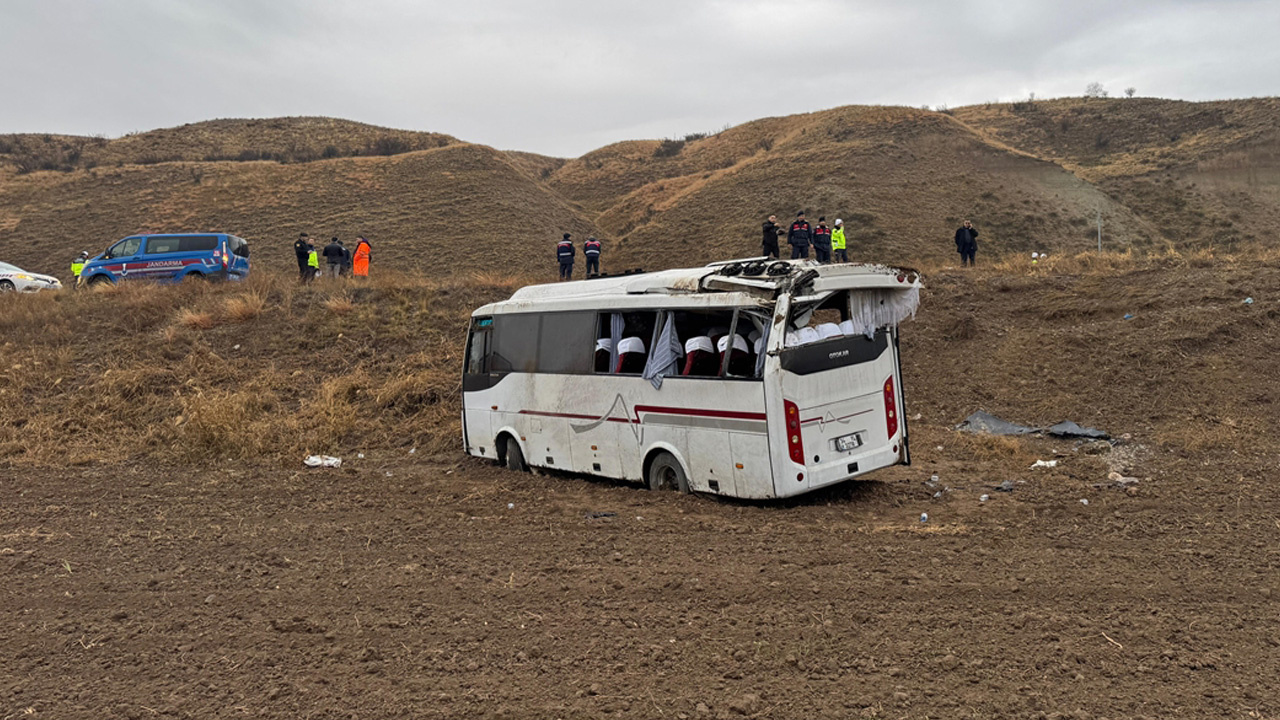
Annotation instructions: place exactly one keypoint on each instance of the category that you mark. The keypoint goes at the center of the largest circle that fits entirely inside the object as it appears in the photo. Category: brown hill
(902, 180)
(1200, 173)
(456, 206)
(1033, 176)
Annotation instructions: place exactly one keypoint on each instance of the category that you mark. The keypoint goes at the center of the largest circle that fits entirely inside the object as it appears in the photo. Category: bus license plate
(848, 442)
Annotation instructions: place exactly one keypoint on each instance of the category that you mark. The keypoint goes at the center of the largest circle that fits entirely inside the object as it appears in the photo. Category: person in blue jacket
(591, 251)
(565, 253)
(799, 237)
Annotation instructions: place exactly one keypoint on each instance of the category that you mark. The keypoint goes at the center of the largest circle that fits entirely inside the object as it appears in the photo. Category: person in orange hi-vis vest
(360, 260)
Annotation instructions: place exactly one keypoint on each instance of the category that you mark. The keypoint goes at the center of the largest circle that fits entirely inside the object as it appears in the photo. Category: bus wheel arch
(510, 455)
(663, 470)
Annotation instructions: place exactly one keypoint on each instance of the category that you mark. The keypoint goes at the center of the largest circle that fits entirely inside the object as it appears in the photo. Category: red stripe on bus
(695, 412)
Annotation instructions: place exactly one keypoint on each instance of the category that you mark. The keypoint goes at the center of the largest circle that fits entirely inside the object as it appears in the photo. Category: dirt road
(449, 588)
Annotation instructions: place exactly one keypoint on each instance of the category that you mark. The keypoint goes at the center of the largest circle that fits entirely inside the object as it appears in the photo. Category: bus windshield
(842, 328)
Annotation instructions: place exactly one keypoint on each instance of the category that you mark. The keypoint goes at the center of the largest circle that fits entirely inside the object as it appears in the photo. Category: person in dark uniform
(565, 253)
(799, 236)
(591, 251)
(966, 243)
(822, 241)
(302, 248)
(771, 233)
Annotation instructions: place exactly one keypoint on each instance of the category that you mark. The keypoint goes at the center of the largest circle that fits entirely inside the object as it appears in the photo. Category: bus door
(477, 431)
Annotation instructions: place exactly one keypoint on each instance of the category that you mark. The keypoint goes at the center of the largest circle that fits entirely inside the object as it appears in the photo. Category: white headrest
(630, 345)
(739, 343)
(701, 342)
(759, 345)
(754, 335)
(604, 344)
(791, 340)
(846, 328)
(829, 330)
(808, 335)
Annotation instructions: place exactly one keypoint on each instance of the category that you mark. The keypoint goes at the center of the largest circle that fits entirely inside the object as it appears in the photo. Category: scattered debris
(983, 422)
(1045, 464)
(413, 450)
(323, 461)
(1084, 501)
(597, 515)
(1121, 481)
(1248, 301)
(983, 498)
(511, 506)
(359, 456)
(1006, 486)
(1128, 316)
(924, 517)
(1066, 428)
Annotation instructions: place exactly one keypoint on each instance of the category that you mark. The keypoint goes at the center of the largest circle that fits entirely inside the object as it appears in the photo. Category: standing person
(333, 254)
(822, 241)
(966, 243)
(313, 262)
(770, 241)
(591, 251)
(565, 253)
(346, 260)
(798, 237)
(76, 266)
(360, 260)
(302, 248)
(837, 243)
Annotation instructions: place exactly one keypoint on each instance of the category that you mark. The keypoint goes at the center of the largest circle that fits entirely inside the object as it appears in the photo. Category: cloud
(565, 76)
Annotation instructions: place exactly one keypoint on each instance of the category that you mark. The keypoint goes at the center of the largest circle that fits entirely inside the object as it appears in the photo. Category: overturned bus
(748, 379)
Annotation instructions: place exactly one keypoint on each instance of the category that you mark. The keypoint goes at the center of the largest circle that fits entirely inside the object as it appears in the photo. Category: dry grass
(163, 377)
(196, 320)
(246, 307)
(339, 304)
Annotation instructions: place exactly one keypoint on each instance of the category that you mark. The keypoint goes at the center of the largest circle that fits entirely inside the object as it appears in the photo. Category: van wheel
(6, 286)
(194, 277)
(666, 474)
(515, 458)
(99, 280)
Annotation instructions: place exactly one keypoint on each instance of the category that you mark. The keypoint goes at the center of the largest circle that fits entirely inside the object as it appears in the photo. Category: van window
(125, 248)
(239, 246)
(173, 244)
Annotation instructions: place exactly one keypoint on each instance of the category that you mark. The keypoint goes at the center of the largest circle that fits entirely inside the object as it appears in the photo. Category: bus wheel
(515, 458)
(666, 474)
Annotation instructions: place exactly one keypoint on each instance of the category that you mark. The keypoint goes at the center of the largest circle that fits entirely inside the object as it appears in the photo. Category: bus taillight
(794, 444)
(890, 409)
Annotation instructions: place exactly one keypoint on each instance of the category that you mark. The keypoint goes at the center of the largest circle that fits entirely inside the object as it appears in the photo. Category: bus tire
(665, 473)
(513, 457)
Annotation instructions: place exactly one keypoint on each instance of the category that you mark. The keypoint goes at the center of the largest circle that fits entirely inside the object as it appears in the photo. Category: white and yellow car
(15, 278)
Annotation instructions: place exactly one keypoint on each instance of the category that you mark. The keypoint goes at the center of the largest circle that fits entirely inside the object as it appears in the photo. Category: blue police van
(170, 258)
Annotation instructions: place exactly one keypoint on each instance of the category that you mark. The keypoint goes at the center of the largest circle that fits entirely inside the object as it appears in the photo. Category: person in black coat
(966, 243)
(771, 233)
(333, 254)
(302, 248)
(799, 236)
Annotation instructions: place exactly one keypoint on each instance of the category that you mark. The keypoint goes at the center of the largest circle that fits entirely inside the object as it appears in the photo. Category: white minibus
(746, 378)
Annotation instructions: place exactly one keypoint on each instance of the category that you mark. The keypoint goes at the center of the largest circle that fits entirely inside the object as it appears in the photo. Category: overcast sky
(563, 77)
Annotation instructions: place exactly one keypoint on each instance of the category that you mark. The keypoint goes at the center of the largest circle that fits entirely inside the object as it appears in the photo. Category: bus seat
(631, 356)
(699, 357)
(791, 339)
(742, 361)
(807, 335)
(846, 327)
(603, 348)
(826, 331)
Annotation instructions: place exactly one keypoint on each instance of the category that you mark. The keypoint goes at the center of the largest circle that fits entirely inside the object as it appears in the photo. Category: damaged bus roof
(732, 282)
